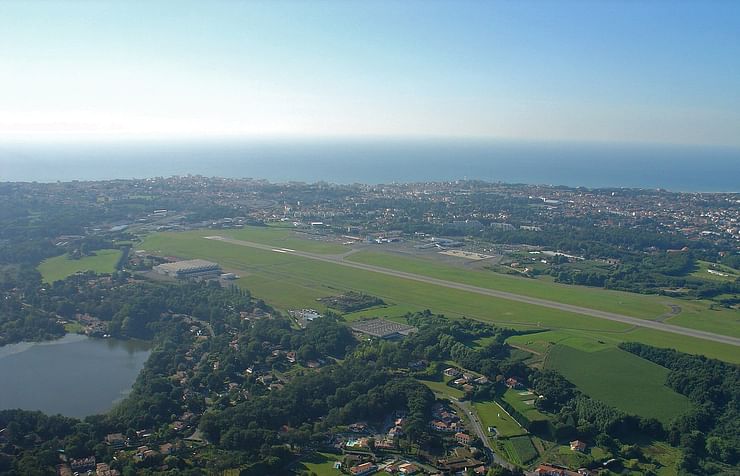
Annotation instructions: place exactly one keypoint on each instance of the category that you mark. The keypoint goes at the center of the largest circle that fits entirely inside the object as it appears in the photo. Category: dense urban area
(429, 328)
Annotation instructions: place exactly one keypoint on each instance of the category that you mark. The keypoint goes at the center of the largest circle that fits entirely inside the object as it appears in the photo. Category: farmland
(632, 384)
(286, 281)
(520, 449)
(59, 267)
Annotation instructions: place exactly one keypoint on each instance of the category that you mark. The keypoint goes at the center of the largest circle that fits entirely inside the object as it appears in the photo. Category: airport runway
(338, 260)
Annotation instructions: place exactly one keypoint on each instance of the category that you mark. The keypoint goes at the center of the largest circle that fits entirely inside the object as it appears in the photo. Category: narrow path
(660, 326)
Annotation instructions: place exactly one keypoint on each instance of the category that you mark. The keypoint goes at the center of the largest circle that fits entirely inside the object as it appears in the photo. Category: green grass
(521, 449)
(618, 378)
(73, 327)
(491, 414)
(442, 388)
(541, 342)
(636, 305)
(519, 402)
(59, 267)
(285, 238)
(703, 273)
(564, 456)
(694, 314)
(320, 463)
(288, 281)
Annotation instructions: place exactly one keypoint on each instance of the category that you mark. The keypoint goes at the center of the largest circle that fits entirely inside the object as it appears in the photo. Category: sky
(616, 71)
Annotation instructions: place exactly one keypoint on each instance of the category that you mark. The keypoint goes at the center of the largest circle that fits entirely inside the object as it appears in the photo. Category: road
(338, 260)
(468, 409)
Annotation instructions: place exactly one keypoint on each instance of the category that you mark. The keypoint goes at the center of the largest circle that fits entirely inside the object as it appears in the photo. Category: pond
(75, 375)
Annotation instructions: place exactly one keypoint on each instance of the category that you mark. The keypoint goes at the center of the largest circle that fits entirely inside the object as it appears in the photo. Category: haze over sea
(677, 168)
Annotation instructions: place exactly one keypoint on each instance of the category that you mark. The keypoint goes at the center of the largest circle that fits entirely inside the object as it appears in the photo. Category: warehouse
(191, 269)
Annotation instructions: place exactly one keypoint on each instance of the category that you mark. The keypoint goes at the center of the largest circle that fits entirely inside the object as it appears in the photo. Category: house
(460, 381)
(363, 469)
(463, 438)
(578, 445)
(467, 388)
(358, 427)
(115, 440)
(513, 382)
(451, 372)
(83, 464)
(102, 469)
(439, 425)
(166, 448)
(481, 380)
(551, 470)
(291, 357)
(407, 468)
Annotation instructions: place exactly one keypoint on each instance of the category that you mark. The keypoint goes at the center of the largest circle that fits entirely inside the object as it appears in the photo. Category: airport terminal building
(191, 269)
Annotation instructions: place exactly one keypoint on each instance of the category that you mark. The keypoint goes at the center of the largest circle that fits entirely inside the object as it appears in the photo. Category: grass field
(288, 281)
(522, 401)
(703, 272)
(442, 388)
(59, 267)
(618, 378)
(320, 463)
(491, 414)
(284, 237)
(694, 314)
(635, 305)
(520, 449)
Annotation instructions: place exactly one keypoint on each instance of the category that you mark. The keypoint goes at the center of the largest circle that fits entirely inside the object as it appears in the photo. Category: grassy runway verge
(287, 281)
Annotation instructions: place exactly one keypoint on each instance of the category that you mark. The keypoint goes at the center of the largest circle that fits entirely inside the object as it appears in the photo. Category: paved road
(338, 260)
(468, 409)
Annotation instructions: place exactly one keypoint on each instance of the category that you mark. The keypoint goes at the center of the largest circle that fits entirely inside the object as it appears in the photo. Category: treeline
(709, 435)
(653, 273)
(18, 320)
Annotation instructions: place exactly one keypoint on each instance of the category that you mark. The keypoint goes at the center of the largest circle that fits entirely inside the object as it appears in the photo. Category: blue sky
(628, 71)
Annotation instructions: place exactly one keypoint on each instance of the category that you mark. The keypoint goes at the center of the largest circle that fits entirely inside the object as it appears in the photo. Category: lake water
(75, 375)
(678, 168)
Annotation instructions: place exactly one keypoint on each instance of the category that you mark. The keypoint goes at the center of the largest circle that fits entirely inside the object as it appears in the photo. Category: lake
(75, 375)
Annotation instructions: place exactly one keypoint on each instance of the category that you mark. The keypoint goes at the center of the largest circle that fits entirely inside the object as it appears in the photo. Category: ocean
(677, 168)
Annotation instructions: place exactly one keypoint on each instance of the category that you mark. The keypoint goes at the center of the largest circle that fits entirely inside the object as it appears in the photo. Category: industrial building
(382, 328)
(191, 269)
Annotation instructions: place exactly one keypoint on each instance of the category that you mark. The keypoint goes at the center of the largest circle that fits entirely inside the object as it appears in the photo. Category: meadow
(520, 449)
(491, 414)
(442, 388)
(288, 282)
(320, 463)
(523, 402)
(59, 267)
(618, 378)
(702, 272)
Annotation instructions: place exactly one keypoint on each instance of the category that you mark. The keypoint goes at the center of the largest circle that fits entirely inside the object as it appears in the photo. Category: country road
(475, 422)
(338, 260)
